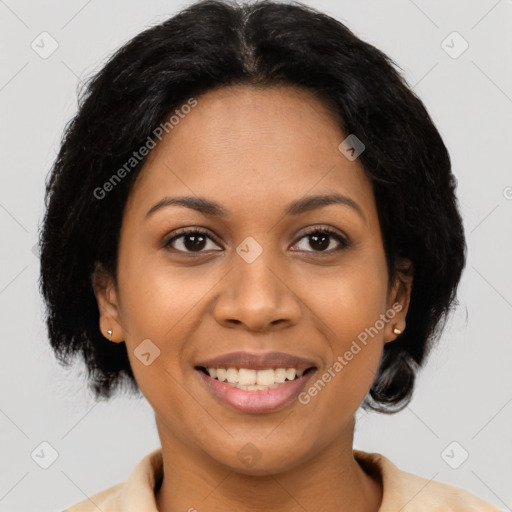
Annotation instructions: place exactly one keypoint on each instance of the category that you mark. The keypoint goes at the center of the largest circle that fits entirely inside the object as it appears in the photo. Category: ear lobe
(399, 299)
(106, 298)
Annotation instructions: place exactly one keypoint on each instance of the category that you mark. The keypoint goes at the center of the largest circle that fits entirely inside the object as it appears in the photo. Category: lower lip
(258, 401)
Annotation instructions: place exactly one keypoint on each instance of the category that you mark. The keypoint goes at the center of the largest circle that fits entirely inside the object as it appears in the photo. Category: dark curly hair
(212, 44)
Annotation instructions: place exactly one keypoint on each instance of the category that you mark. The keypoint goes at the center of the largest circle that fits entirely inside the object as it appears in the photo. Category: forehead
(243, 145)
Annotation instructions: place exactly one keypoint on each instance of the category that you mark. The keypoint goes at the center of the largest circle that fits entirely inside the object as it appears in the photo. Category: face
(264, 279)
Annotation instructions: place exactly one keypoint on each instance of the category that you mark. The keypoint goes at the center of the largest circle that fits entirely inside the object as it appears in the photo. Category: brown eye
(190, 240)
(323, 241)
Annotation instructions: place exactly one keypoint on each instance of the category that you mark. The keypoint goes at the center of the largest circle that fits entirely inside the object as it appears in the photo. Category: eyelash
(181, 233)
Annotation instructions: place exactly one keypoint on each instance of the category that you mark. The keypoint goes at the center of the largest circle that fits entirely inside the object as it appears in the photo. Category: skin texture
(253, 150)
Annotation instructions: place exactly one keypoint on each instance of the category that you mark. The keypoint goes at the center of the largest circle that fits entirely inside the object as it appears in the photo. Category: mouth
(255, 383)
(249, 379)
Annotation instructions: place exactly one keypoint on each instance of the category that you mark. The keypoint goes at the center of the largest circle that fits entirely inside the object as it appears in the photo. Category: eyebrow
(209, 207)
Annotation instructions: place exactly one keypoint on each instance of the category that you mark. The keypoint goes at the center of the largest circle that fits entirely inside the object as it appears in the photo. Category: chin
(263, 461)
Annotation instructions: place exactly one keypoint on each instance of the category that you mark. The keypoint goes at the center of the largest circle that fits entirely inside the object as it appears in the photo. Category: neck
(331, 480)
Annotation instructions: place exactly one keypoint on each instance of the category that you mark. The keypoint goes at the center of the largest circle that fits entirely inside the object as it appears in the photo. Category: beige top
(402, 491)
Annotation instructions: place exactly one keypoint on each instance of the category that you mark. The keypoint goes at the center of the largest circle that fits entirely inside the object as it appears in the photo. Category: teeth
(280, 375)
(254, 380)
(232, 375)
(290, 373)
(265, 377)
(246, 377)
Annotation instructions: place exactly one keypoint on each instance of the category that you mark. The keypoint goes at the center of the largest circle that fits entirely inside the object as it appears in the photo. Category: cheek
(150, 310)
(350, 307)
(351, 298)
(155, 296)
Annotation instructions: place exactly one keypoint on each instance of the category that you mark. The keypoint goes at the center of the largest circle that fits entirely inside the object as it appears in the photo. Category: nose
(256, 296)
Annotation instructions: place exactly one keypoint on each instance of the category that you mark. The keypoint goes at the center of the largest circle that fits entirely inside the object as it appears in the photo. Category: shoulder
(412, 493)
(135, 494)
(104, 500)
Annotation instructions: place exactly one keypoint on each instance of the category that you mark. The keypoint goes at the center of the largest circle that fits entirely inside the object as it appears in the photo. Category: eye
(321, 240)
(190, 240)
(195, 240)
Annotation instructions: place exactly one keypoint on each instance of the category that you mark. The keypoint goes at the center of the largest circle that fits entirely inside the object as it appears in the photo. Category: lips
(256, 398)
(252, 361)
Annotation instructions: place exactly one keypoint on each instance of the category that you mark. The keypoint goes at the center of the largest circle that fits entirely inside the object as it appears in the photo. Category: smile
(283, 386)
(255, 380)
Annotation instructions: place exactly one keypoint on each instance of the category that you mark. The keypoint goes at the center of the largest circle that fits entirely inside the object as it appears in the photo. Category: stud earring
(396, 330)
(109, 332)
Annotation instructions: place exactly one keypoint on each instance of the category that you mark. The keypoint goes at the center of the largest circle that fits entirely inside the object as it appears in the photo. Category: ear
(399, 300)
(106, 297)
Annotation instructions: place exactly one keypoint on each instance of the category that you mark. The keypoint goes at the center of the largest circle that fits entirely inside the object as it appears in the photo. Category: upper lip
(257, 361)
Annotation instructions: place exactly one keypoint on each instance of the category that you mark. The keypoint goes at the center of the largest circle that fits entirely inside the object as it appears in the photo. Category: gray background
(465, 392)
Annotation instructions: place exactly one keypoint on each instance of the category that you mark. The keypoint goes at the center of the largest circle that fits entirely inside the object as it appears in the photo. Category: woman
(252, 222)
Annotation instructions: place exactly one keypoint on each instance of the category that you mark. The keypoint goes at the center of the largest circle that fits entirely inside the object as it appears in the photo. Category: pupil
(322, 240)
(197, 242)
